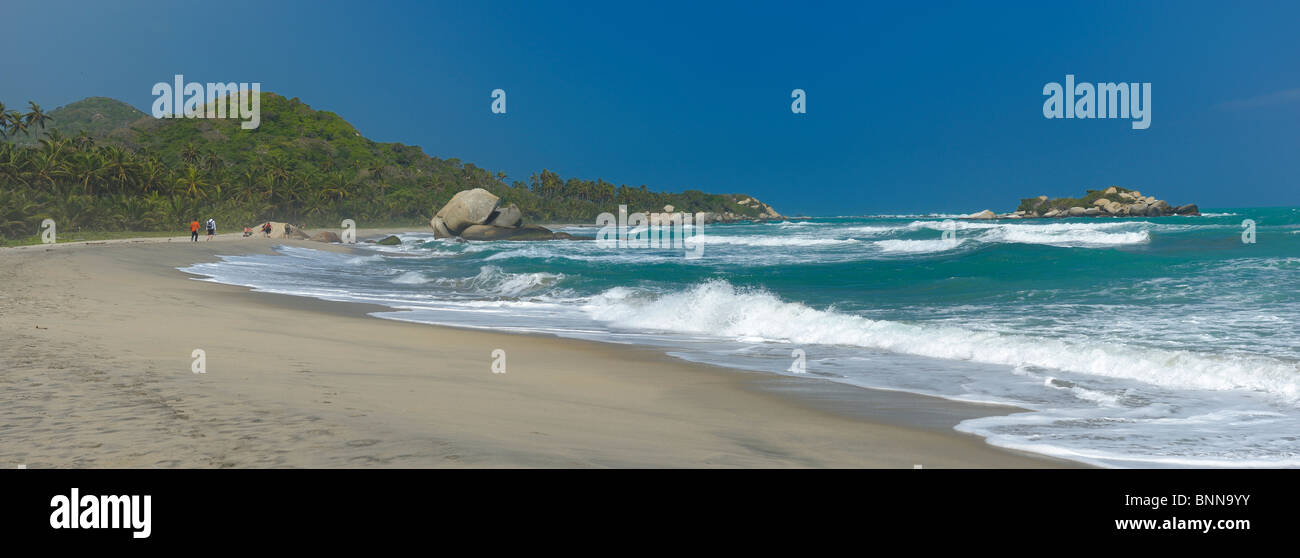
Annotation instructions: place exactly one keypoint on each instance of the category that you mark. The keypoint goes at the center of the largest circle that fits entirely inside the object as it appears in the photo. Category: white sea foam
(359, 260)
(872, 230)
(717, 308)
(1065, 236)
(1055, 234)
(492, 280)
(770, 241)
(411, 278)
(917, 246)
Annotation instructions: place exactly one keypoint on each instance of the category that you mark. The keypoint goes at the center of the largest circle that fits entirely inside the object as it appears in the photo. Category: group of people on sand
(266, 229)
(194, 230)
(212, 230)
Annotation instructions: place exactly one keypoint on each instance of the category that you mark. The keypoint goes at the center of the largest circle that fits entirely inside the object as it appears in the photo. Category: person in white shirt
(212, 228)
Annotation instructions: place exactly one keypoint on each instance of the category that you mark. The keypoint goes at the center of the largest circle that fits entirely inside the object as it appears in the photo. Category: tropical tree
(152, 176)
(119, 167)
(191, 183)
(36, 118)
(190, 153)
(86, 168)
(15, 124)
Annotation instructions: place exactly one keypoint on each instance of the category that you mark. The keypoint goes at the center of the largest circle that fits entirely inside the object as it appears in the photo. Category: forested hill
(97, 116)
(103, 165)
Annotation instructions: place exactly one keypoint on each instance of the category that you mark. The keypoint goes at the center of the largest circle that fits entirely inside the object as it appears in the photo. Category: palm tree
(119, 166)
(83, 141)
(37, 117)
(12, 162)
(248, 180)
(152, 176)
(191, 183)
(338, 188)
(85, 169)
(189, 153)
(17, 213)
(15, 124)
(278, 172)
(46, 168)
(212, 163)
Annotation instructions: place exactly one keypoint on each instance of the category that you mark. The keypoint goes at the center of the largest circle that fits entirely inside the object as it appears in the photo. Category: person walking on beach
(266, 229)
(212, 228)
(194, 231)
(287, 230)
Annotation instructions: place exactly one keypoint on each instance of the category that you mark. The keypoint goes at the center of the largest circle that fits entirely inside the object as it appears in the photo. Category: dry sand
(95, 371)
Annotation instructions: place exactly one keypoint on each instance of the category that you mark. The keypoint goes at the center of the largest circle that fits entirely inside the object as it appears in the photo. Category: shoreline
(323, 384)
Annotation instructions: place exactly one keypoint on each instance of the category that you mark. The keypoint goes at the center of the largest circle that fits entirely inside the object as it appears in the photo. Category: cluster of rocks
(1112, 202)
(765, 213)
(476, 215)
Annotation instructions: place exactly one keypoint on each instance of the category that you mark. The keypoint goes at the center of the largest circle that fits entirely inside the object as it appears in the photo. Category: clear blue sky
(928, 108)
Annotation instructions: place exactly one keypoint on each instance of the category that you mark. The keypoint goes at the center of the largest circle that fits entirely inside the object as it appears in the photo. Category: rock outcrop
(509, 216)
(765, 211)
(326, 236)
(466, 208)
(487, 232)
(476, 215)
(440, 228)
(761, 212)
(1111, 202)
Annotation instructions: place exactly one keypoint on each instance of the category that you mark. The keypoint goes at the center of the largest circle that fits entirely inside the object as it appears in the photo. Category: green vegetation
(99, 117)
(125, 171)
(1035, 204)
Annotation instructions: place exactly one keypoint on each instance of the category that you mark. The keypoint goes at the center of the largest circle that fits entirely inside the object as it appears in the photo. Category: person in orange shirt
(194, 231)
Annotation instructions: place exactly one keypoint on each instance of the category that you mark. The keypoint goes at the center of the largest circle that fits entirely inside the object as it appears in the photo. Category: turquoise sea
(1155, 342)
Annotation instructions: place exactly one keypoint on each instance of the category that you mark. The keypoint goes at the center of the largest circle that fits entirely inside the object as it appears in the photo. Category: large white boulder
(468, 207)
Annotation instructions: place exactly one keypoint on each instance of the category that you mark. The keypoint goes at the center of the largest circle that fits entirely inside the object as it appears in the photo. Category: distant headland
(102, 165)
(1111, 202)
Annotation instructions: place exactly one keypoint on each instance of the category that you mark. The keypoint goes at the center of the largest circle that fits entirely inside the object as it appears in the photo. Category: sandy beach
(95, 371)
